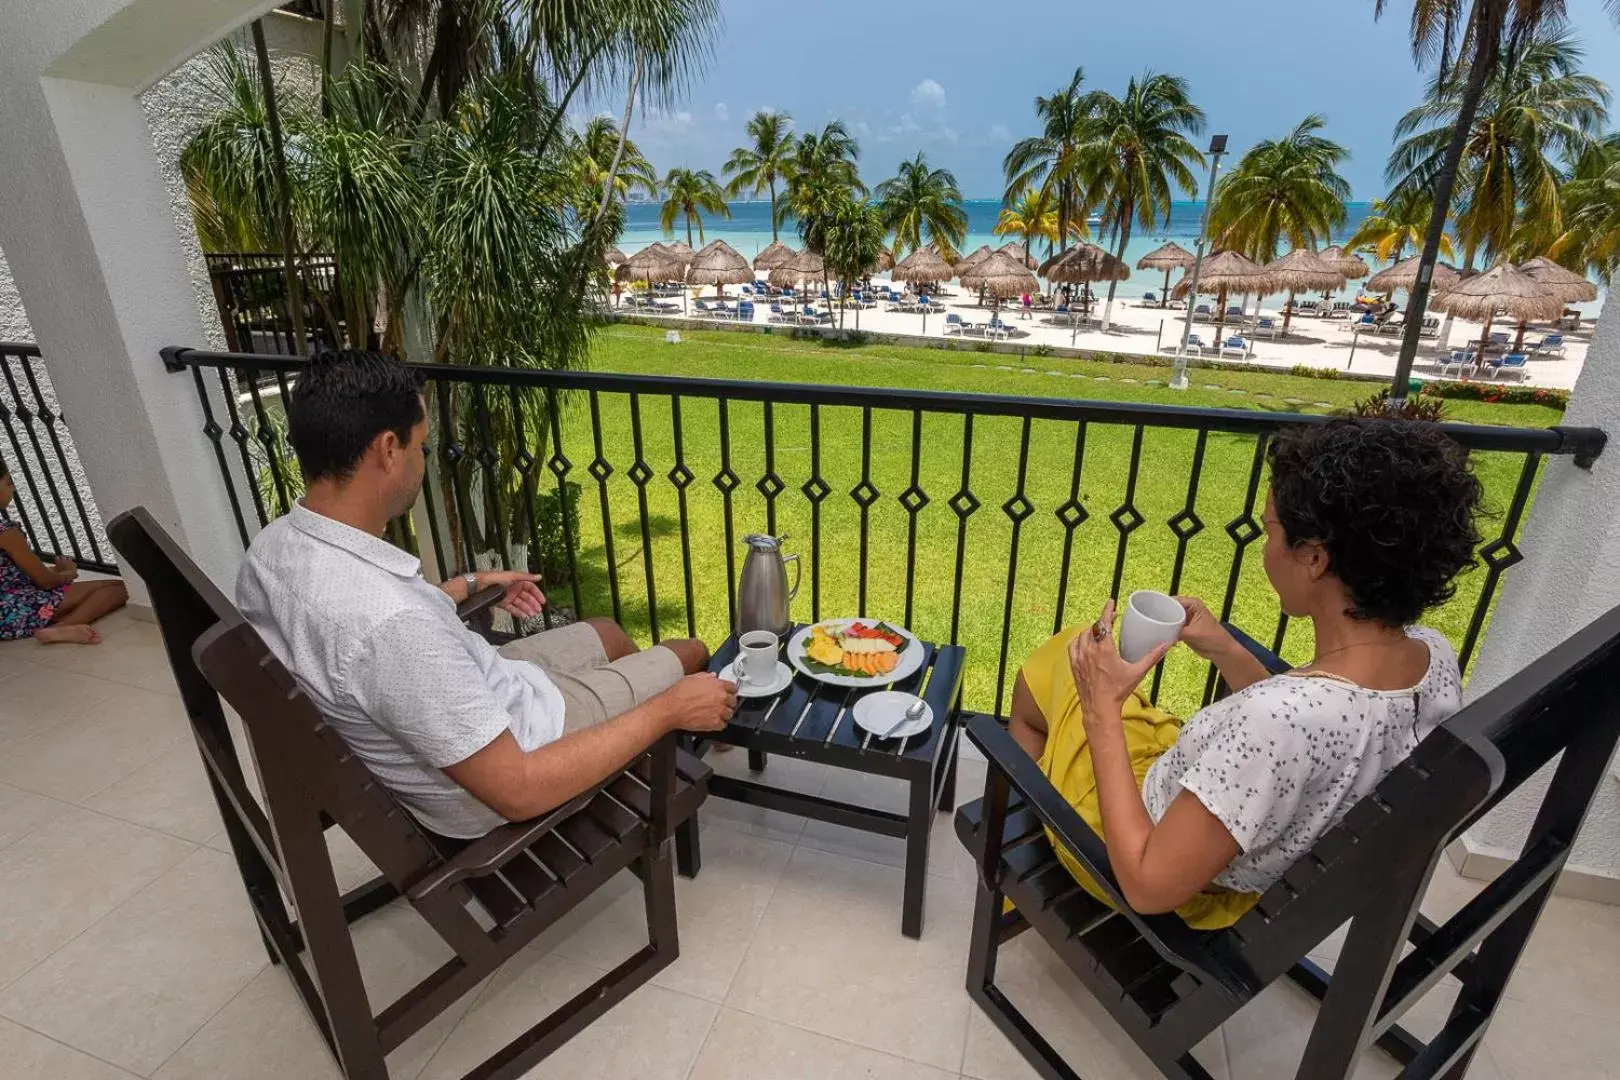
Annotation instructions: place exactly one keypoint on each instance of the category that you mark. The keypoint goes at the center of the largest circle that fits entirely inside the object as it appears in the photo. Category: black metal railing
(986, 520)
(250, 291)
(53, 503)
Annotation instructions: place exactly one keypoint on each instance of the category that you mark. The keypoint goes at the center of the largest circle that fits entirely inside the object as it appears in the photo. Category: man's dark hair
(342, 402)
(1391, 501)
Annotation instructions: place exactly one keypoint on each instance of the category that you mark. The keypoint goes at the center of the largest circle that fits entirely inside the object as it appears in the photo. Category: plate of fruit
(855, 652)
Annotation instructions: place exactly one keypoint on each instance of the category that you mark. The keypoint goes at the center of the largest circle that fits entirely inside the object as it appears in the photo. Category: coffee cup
(1151, 619)
(756, 656)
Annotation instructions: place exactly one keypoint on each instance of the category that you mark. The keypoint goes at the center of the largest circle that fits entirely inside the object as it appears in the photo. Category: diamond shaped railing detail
(914, 499)
(864, 493)
(1186, 525)
(816, 489)
(1018, 507)
(1072, 514)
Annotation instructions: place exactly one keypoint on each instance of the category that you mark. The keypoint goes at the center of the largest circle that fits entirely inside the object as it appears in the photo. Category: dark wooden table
(814, 721)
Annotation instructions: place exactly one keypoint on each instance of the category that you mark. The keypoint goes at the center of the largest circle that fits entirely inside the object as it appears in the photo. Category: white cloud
(999, 133)
(721, 113)
(928, 94)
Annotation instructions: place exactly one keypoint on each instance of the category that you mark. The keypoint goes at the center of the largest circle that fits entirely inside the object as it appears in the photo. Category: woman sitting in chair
(1367, 523)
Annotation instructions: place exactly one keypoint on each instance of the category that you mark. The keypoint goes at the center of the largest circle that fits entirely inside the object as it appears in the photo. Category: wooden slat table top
(813, 719)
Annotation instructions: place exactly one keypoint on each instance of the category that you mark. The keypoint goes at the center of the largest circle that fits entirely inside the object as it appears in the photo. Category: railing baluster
(525, 462)
(1500, 554)
(214, 433)
(1243, 530)
(816, 489)
(1017, 508)
(639, 474)
(963, 504)
(770, 485)
(913, 499)
(240, 436)
(865, 494)
(268, 439)
(1072, 514)
(682, 476)
(18, 462)
(600, 469)
(52, 418)
(487, 458)
(726, 480)
(560, 467)
(1185, 524)
(27, 416)
(1127, 518)
(451, 455)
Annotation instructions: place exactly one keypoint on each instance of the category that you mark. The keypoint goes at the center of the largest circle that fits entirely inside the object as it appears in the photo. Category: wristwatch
(472, 584)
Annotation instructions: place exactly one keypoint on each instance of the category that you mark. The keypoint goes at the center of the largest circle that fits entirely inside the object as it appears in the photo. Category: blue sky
(957, 79)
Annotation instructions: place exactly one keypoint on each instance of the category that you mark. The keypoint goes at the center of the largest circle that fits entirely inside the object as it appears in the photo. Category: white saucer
(879, 712)
(784, 676)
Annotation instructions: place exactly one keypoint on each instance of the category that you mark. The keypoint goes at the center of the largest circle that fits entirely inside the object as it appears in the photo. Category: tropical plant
(1136, 154)
(821, 173)
(1591, 237)
(1395, 223)
(758, 166)
(1283, 191)
(689, 194)
(1536, 107)
(1032, 216)
(854, 231)
(1049, 160)
(594, 148)
(920, 201)
(1440, 30)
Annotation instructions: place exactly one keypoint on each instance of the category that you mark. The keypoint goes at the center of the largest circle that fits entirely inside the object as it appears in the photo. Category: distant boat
(1094, 221)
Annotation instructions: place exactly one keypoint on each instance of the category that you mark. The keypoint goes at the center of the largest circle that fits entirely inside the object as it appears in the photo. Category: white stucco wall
(1570, 576)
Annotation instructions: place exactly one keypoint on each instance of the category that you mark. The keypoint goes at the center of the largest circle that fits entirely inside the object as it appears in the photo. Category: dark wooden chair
(487, 898)
(1169, 986)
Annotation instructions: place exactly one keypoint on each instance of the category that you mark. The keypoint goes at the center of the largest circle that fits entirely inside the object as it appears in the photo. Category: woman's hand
(66, 567)
(523, 599)
(1203, 632)
(1103, 677)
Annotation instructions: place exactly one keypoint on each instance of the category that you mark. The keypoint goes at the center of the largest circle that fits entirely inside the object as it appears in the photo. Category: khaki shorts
(594, 688)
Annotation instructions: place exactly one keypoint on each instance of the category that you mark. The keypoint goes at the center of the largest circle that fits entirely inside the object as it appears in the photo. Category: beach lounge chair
(1458, 362)
(486, 899)
(1499, 339)
(1234, 311)
(1149, 300)
(745, 311)
(1341, 310)
(1515, 364)
(1195, 345)
(1395, 324)
(996, 328)
(1430, 327)
(702, 307)
(1235, 345)
(1203, 311)
(777, 315)
(1268, 326)
(954, 324)
(1360, 324)
(1549, 345)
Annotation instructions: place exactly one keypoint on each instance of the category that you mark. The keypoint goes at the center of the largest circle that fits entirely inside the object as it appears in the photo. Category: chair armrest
(1170, 937)
(478, 609)
(1269, 660)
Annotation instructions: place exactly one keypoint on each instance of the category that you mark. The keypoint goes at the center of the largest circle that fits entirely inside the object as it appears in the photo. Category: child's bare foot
(68, 635)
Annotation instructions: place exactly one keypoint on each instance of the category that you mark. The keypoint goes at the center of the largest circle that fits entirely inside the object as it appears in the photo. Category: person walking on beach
(1027, 305)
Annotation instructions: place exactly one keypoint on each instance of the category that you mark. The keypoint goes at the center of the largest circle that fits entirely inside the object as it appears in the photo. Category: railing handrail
(19, 348)
(1584, 444)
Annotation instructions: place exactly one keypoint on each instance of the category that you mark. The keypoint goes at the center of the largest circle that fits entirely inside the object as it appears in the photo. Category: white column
(1570, 576)
(86, 225)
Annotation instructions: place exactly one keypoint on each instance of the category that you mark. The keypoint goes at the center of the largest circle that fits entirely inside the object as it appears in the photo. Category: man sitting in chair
(466, 736)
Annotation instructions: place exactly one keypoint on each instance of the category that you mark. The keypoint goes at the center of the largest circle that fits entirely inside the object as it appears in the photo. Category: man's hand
(66, 567)
(1102, 677)
(1203, 633)
(701, 702)
(523, 599)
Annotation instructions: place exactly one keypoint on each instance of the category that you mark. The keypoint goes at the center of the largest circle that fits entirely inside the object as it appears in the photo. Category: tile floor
(126, 947)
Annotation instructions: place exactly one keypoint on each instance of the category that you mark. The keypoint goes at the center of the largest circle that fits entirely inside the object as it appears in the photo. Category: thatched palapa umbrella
(799, 272)
(1570, 287)
(613, 256)
(1500, 288)
(1301, 271)
(1403, 275)
(925, 265)
(967, 262)
(1083, 264)
(1001, 276)
(1171, 256)
(1224, 273)
(1015, 252)
(773, 256)
(719, 264)
(1351, 266)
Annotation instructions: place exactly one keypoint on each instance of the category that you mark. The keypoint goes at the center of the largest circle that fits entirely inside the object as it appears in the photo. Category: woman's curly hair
(1393, 503)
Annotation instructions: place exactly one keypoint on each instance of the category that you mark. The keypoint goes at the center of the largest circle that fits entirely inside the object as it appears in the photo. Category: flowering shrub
(1495, 392)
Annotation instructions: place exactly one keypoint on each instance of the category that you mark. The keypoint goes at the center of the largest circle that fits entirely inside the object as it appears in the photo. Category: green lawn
(924, 599)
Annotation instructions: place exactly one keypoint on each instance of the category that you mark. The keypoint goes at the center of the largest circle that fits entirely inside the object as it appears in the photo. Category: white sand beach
(1150, 330)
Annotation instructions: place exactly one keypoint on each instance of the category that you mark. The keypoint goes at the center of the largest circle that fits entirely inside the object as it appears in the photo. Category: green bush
(551, 551)
(1495, 392)
(1042, 350)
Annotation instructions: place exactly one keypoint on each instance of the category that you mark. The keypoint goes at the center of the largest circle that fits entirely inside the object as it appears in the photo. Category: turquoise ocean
(749, 231)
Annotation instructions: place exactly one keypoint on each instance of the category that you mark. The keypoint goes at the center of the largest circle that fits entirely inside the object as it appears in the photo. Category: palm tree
(918, 200)
(854, 232)
(1439, 29)
(759, 166)
(1396, 223)
(690, 194)
(595, 146)
(1034, 216)
(1535, 106)
(1285, 190)
(1136, 151)
(1591, 239)
(821, 172)
(1048, 159)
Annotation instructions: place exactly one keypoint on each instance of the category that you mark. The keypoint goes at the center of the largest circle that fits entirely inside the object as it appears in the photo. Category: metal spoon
(913, 711)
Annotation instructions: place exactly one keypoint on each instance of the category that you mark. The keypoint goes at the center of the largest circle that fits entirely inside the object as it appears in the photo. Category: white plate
(879, 712)
(911, 657)
(784, 676)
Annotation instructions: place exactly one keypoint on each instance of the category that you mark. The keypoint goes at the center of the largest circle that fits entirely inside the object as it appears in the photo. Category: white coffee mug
(1151, 619)
(756, 656)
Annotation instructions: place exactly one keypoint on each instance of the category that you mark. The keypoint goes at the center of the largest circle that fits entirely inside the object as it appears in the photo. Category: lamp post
(1217, 148)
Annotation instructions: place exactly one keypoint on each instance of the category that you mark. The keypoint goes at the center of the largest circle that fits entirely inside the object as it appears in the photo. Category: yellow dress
(1066, 761)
